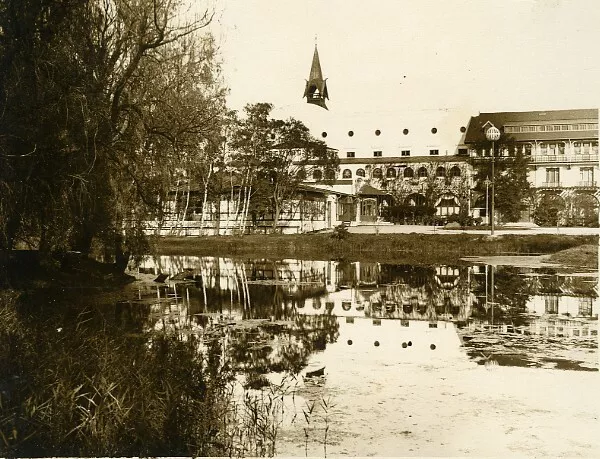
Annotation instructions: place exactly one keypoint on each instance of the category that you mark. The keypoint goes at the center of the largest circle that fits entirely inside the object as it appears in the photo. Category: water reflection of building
(391, 341)
(314, 305)
(398, 292)
(565, 305)
(535, 301)
(372, 289)
(563, 327)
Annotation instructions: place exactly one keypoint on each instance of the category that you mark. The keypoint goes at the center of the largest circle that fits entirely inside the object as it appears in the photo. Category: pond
(321, 357)
(450, 360)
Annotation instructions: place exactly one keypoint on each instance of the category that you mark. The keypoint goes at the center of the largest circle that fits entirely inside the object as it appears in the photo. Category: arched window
(317, 174)
(455, 171)
(390, 173)
(447, 205)
(347, 173)
(422, 172)
(440, 172)
(377, 173)
(360, 173)
(301, 174)
(330, 174)
(409, 173)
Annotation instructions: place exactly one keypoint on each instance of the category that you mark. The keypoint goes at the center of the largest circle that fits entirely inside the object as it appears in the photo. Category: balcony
(550, 185)
(565, 158)
(587, 184)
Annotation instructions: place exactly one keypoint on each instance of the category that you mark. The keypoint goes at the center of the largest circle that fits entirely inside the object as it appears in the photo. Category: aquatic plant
(254, 418)
(74, 382)
(312, 417)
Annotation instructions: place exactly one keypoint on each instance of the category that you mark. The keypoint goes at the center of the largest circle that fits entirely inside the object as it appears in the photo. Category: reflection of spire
(316, 87)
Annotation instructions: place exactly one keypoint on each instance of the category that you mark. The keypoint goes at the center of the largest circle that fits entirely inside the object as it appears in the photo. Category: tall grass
(255, 418)
(75, 383)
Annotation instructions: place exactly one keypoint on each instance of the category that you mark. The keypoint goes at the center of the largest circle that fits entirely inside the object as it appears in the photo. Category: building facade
(562, 148)
(420, 167)
(416, 159)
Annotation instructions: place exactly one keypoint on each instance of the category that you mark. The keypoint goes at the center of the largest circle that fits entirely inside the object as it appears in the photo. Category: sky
(381, 58)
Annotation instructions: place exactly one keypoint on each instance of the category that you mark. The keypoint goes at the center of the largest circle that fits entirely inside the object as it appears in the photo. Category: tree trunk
(247, 193)
(175, 212)
(277, 209)
(210, 169)
(121, 256)
(187, 203)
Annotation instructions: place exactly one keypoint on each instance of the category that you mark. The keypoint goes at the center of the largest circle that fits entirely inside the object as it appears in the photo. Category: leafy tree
(549, 210)
(512, 188)
(286, 166)
(431, 188)
(102, 101)
(275, 156)
(250, 141)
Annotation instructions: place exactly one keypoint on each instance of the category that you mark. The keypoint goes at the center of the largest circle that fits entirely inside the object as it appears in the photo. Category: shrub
(340, 232)
(404, 213)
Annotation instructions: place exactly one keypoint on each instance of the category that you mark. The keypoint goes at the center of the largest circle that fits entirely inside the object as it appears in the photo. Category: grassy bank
(581, 256)
(392, 248)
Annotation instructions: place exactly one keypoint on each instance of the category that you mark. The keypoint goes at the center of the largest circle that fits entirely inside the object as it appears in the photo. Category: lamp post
(487, 183)
(492, 134)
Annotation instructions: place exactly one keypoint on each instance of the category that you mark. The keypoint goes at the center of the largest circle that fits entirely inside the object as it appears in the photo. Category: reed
(76, 384)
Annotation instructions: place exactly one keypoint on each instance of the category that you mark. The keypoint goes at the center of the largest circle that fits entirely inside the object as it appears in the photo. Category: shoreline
(411, 248)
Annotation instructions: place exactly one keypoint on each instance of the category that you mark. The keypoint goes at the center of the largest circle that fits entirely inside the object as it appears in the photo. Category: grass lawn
(391, 248)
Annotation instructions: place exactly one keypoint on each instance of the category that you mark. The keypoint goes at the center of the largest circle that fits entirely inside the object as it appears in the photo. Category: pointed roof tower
(316, 87)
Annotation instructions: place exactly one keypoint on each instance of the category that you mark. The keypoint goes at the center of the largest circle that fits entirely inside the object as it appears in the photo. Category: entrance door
(346, 210)
(368, 210)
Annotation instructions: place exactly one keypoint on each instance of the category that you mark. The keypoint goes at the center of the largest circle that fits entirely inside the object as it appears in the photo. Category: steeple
(316, 87)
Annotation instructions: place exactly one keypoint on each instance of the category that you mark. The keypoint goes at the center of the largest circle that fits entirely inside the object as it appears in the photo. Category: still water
(380, 359)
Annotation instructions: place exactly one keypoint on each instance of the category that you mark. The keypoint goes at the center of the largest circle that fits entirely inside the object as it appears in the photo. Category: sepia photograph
(281, 228)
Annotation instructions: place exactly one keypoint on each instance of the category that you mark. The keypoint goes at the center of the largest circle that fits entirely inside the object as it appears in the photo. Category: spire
(316, 87)
(315, 68)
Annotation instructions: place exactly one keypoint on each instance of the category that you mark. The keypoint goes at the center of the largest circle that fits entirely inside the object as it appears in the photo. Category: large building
(562, 147)
(422, 165)
(432, 156)
(399, 158)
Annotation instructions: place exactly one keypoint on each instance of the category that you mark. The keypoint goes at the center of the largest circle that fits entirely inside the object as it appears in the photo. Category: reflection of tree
(559, 284)
(413, 276)
(511, 288)
(346, 273)
(275, 347)
(512, 291)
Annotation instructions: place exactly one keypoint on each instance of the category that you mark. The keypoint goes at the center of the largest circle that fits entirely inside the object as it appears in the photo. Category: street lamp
(487, 183)
(492, 134)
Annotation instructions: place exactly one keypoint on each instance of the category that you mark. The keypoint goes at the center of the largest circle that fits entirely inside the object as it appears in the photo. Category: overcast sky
(381, 57)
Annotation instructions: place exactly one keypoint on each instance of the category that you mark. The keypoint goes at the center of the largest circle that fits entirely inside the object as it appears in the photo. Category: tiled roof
(323, 190)
(475, 132)
(368, 190)
(549, 115)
